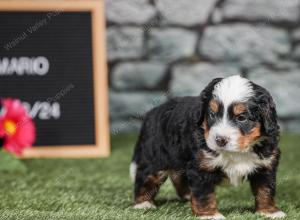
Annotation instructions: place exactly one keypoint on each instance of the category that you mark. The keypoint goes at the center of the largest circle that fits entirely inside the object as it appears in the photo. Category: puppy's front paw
(144, 205)
(217, 216)
(186, 197)
(274, 215)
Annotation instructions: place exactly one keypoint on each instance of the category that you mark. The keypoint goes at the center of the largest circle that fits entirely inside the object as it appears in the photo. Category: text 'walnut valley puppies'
(229, 132)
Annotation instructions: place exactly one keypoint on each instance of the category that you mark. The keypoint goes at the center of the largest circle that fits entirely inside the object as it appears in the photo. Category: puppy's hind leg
(147, 185)
(180, 182)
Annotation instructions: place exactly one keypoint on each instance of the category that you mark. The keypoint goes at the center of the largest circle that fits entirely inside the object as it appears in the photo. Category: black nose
(221, 141)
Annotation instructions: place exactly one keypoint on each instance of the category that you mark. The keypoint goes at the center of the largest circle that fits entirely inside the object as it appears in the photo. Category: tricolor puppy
(229, 132)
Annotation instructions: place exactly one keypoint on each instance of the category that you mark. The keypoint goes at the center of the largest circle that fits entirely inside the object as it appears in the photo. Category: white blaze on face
(229, 90)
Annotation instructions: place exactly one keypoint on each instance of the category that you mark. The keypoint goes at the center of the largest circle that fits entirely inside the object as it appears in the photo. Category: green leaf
(10, 163)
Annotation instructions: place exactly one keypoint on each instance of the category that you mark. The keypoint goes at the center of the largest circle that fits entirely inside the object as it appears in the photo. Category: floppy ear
(267, 111)
(205, 96)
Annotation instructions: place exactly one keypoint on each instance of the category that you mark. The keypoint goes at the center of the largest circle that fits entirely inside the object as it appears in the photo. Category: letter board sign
(52, 58)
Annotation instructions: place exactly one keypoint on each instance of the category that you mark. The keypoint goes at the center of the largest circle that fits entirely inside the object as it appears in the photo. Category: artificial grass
(101, 189)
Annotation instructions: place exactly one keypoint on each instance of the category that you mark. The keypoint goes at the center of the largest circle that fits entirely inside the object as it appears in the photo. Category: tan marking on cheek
(214, 106)
(239, 108)
(245, 140)
(208, 206)
(206, 130)
(203, 161)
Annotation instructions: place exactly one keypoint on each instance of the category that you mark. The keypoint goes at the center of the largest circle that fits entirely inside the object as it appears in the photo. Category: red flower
(16, 127)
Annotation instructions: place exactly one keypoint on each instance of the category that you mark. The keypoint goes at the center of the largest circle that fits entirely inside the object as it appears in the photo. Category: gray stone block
(286, 65)
(262, 10)
(125, 126)
(217, 16)
(138, 75)
(129, 11)
(296, 52)
(292, 125)
(296, 35)
(192, 79)
(185, 12)
(283, 86)
(127, 105)
(248, 45)
(171, 44)
(124, 43)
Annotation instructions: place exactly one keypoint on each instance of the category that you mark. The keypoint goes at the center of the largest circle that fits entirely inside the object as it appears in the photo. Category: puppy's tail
(136, 155)
(134, 163)
(132, 170)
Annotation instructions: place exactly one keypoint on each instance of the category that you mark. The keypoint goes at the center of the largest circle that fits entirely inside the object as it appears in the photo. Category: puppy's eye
(212, 115)
(241, 118)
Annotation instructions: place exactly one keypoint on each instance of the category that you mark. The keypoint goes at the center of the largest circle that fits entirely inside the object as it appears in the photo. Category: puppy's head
(237, 114)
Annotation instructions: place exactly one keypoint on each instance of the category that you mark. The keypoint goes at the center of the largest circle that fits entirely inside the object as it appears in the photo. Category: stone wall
(158, 49)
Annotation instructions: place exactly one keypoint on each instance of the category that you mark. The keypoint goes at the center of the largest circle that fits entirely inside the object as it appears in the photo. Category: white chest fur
(236, 165)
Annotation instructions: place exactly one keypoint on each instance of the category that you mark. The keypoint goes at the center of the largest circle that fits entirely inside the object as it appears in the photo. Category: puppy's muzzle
(221, 141)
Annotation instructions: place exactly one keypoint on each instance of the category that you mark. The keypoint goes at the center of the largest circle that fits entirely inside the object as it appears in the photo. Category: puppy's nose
(221, 141)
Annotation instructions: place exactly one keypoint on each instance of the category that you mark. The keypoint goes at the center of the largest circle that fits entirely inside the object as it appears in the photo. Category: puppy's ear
(205, 96)
(267, 111)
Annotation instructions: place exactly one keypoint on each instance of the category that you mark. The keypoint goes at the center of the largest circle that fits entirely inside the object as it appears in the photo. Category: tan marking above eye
(239, 108)
(214, 106)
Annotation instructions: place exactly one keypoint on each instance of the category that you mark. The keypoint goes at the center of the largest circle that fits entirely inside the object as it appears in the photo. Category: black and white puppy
(228, 133)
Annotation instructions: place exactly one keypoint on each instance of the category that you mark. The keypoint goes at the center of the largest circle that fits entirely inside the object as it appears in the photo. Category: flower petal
(12, 146)
(2, 130)
(24, 135)
(13, 109)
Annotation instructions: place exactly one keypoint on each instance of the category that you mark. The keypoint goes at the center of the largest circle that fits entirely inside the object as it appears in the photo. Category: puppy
(228, 133)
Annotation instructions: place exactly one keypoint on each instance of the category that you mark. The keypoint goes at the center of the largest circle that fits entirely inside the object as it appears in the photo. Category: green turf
(101, 189)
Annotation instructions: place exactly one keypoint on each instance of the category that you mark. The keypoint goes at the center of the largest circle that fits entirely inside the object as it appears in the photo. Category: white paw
(274, 215)
(144, 205)
(187, 197)
(217, 216)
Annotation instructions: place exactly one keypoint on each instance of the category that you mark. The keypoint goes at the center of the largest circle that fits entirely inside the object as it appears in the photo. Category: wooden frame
(96, 7)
